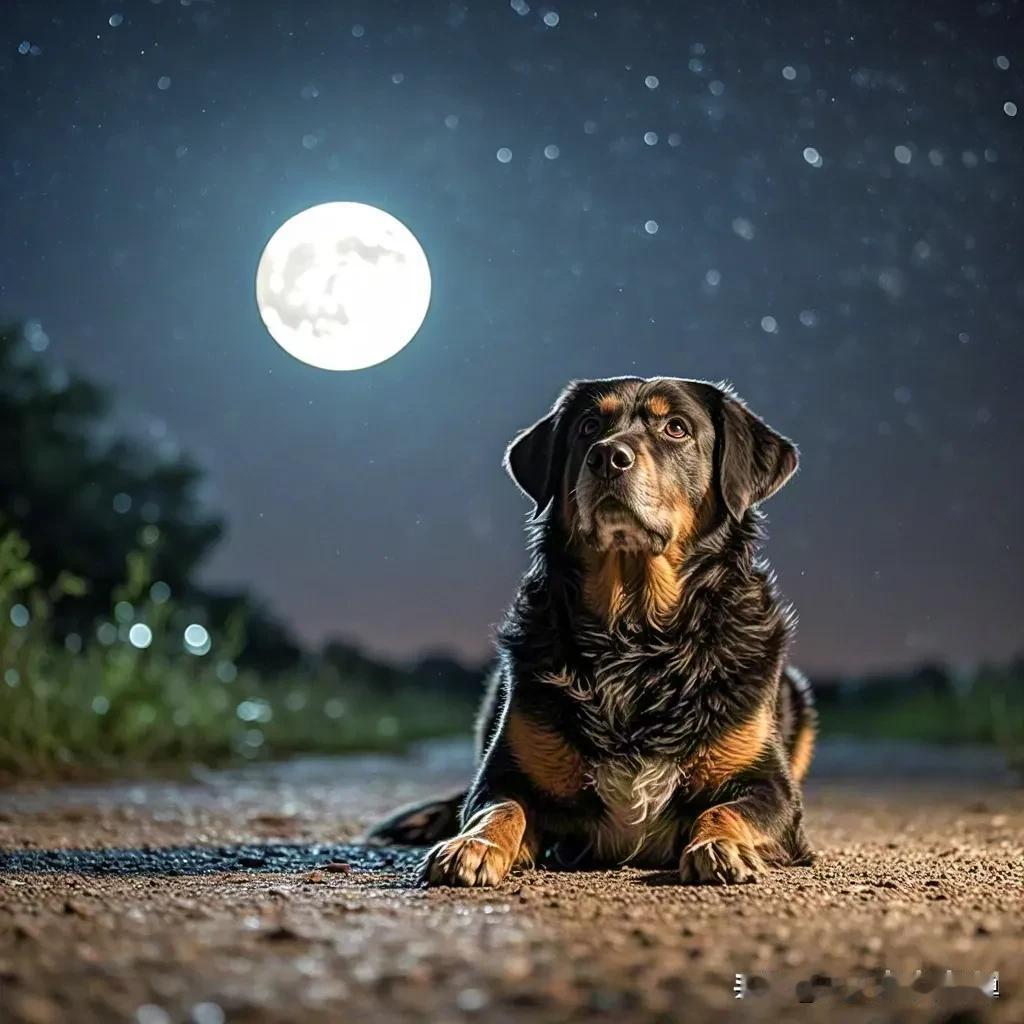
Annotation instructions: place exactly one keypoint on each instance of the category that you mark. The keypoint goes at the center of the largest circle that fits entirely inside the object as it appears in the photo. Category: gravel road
(235, 897)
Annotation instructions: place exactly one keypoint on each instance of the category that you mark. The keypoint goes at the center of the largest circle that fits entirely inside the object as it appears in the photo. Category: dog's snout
(608, 459)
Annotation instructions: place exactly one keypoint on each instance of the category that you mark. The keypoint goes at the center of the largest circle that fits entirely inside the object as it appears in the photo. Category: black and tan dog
(642, 710)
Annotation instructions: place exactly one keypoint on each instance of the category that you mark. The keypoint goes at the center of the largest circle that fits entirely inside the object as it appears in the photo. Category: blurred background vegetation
(932, 704)
(112, 656)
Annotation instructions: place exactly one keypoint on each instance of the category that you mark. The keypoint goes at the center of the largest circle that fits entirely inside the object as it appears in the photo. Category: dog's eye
(590, 426)
(675, 427)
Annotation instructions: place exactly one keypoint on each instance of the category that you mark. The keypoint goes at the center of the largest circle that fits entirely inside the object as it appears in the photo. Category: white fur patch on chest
(635, 792)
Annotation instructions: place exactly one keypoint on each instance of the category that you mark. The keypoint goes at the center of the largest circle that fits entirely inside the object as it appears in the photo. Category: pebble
(207, 1013)
(471, 999)
(150, 1013)
(338, 867)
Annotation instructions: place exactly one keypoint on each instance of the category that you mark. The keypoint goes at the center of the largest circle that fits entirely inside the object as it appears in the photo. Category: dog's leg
(494, 840)
(499, 828)
(419, 824)
(734, 842)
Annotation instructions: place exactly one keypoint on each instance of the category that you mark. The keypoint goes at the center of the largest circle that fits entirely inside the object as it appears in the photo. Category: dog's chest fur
(637, 707)
(642, 730)
(645, 706)
(635, 826)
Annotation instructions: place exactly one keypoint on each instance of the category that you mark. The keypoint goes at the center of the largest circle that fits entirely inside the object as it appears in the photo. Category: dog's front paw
(721, 861)
(465, 860)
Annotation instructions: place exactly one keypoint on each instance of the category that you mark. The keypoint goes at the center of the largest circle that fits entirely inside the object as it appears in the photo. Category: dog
(642, 710)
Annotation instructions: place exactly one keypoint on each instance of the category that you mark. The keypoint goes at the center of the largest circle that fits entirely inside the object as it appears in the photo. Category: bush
(151, 685)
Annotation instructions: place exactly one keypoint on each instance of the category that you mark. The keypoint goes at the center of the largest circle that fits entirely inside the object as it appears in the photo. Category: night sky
(820, 203)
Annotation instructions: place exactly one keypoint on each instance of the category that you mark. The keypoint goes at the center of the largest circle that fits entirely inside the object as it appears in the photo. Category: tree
(358, 670)
(84, 497)
(445, 673)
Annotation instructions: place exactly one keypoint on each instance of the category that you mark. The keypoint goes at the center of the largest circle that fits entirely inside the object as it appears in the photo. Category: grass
(107, 703)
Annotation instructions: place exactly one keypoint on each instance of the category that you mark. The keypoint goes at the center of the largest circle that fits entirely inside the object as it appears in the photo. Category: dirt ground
(234, 897)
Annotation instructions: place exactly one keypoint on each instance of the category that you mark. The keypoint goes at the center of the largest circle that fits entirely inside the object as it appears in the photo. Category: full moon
(343, 286)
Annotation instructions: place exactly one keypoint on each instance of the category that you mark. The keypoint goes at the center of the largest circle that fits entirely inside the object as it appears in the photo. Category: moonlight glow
(343, 286)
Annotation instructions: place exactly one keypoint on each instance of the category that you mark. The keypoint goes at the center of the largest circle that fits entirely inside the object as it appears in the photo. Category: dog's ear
(754, 460)
(530, 460)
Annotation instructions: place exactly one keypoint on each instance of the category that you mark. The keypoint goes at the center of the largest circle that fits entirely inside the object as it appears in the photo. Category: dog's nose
(608, 459)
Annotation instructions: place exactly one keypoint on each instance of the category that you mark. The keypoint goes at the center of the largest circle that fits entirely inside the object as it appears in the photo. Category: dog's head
(642, 466)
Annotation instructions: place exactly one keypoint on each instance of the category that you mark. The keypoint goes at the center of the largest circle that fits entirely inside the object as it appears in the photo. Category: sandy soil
(233, 897)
